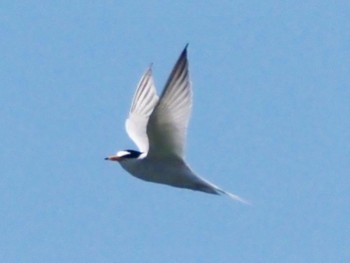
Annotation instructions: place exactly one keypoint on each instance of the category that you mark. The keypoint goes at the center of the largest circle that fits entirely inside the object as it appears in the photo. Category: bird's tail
(232, 196)
(211, 188)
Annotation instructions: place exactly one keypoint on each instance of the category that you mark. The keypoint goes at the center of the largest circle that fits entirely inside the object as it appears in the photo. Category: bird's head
(124, 155)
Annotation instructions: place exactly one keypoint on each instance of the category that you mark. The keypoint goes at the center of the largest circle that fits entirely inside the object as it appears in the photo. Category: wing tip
(149, 69)
(186, 46)
(184, 51)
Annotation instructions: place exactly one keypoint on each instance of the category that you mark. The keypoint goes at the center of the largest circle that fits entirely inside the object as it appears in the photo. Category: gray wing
(143, 103)
(167, 126)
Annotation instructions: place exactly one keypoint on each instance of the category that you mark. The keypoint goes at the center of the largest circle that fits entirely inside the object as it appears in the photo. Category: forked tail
(211, 188)
(232, 196)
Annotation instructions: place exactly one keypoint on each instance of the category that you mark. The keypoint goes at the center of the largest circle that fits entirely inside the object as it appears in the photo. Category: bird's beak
(112, 158)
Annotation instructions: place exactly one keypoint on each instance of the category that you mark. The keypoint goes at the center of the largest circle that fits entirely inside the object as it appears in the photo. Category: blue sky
(270, 123)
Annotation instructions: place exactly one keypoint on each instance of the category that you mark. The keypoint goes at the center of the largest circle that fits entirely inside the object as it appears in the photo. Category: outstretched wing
(167, 126)
(143, 103)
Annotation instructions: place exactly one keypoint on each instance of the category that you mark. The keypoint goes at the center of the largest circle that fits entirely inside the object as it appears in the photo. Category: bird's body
(158, 126)
(169, 171)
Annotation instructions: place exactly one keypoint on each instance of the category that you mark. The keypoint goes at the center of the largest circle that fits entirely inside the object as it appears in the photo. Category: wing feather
(167, 126)
(143, 103)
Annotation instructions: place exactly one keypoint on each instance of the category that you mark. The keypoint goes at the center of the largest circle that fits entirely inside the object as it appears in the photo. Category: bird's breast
(171, 172)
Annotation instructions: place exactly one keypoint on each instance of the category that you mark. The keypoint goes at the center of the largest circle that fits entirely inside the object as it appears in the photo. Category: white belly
(172, 172)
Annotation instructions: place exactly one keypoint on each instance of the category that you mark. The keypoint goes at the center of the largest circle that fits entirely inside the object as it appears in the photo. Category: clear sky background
(271, 123)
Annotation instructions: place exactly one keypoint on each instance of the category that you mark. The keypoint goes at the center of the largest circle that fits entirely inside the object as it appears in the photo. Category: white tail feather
(214, 189)
(234, 197)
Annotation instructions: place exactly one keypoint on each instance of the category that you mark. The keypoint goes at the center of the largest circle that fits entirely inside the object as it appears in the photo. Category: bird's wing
(143, 103)
(168, 122)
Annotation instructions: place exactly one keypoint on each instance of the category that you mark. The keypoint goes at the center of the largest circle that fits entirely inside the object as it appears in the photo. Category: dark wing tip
(184, 52)
(182, 57)
(149, 70)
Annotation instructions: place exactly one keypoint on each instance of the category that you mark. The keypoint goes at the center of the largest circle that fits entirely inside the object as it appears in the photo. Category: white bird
(158, 127)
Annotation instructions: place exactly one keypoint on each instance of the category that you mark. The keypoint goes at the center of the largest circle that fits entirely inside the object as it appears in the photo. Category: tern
(158, 127)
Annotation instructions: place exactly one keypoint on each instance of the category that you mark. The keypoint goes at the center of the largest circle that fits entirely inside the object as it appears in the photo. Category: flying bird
(158, 127)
